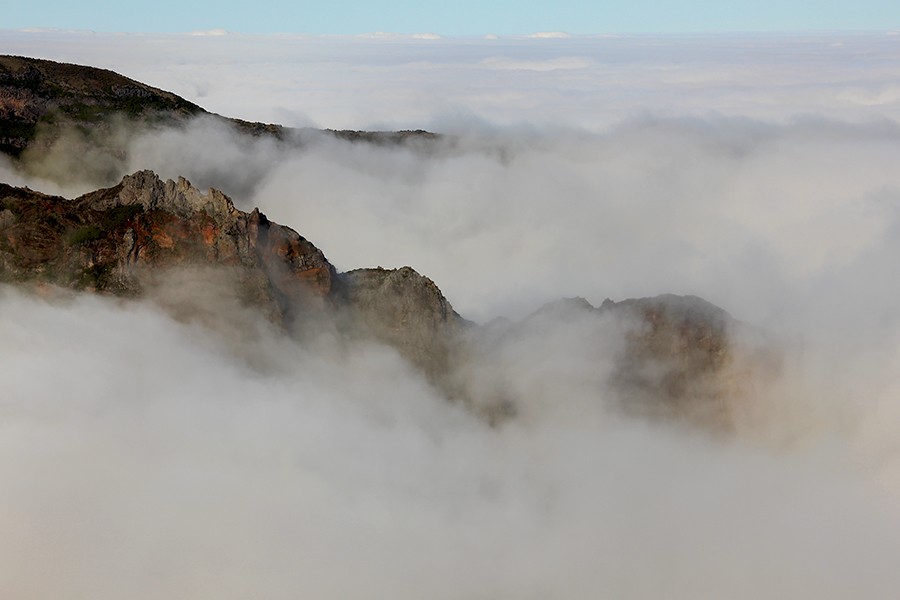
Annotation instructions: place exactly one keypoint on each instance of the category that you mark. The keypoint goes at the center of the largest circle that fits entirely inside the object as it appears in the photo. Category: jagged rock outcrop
(407, 311)
(114, 240)
(121, 240)
(677, 358)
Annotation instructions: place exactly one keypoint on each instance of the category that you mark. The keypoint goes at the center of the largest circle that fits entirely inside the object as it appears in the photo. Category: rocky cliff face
(114, 241)
(678, 359)
(406, 310)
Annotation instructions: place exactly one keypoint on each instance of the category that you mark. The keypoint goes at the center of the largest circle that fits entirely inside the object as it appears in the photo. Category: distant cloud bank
(552, 79)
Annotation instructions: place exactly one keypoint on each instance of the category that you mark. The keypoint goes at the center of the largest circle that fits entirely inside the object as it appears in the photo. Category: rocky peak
(679, 359)
(674, 357)
(147, 190)
(406, 310)
(115, 240)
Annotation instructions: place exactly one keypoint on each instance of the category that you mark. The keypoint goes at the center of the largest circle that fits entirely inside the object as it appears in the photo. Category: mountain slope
(40, 100)
(42, 95)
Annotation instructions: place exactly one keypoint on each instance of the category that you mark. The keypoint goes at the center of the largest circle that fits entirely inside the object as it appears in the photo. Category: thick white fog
(147, 456)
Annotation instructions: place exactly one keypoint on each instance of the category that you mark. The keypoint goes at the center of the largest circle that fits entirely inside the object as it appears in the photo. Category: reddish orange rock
(111, 239)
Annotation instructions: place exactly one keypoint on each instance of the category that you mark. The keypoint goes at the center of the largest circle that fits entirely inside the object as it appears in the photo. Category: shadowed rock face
(406, 310)
(677, 358)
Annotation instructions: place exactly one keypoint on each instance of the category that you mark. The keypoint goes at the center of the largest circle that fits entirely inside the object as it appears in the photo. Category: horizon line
(546, 35)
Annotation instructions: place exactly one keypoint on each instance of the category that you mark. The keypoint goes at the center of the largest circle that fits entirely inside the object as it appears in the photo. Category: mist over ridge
(223, 458)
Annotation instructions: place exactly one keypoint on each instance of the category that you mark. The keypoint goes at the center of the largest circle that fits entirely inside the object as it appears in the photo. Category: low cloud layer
(160, 459)
(152, 453)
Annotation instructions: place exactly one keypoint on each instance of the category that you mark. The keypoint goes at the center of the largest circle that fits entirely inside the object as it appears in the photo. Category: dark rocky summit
(45, 96)
(41, 100)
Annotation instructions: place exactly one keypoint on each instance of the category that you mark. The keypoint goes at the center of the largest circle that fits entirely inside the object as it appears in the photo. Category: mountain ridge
(676, 354)
(40, 98)
(670, 356)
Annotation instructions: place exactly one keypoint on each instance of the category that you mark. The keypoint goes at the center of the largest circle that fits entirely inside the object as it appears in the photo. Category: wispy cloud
(549, 35)
(210, 33)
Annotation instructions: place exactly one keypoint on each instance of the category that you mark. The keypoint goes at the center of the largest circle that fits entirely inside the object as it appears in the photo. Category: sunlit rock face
(115, 240)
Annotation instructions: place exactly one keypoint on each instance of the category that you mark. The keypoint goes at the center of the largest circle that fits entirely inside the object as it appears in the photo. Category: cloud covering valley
(147, 455)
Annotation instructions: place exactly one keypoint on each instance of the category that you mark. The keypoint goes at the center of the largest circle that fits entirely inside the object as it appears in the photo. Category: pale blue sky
(460, 17)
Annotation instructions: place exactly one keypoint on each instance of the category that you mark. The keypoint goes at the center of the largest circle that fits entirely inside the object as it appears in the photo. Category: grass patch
(107, 222)
(86, 234)
(117, 216)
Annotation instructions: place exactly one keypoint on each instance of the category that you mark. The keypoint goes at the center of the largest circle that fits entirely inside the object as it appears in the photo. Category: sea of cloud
(149, 456)
(411, 82)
